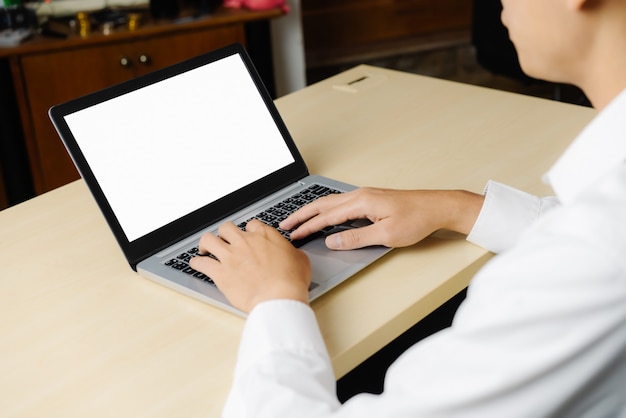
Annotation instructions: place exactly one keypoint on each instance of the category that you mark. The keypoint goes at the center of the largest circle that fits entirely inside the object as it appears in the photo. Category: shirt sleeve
(506, 213)
(282, 354)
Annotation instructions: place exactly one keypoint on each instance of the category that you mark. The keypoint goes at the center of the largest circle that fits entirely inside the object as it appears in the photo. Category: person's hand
(253, 266)
(399, 217)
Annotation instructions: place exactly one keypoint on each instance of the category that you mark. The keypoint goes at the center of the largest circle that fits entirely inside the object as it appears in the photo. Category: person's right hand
(399, 217)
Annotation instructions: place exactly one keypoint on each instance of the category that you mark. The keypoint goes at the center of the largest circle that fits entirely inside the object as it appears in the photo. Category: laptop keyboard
(271, 216)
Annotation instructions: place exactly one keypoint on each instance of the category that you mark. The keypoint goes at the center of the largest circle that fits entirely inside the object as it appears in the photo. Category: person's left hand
(254, 266)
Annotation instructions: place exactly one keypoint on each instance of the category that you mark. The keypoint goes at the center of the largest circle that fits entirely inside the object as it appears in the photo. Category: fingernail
(333, 241)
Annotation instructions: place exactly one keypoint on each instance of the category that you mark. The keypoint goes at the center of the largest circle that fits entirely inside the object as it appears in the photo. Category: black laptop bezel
(147, 245)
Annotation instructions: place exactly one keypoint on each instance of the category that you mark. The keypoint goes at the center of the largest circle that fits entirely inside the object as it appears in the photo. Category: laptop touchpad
(326, 264)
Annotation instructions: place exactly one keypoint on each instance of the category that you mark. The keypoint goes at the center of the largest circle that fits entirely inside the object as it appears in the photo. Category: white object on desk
(13, 37)
(71, 7)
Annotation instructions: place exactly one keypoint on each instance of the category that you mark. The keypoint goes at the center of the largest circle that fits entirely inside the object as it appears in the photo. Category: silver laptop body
(173, 154)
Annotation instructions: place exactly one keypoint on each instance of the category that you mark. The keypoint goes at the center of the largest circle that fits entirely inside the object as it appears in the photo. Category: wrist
(293, 293)
(463, 210)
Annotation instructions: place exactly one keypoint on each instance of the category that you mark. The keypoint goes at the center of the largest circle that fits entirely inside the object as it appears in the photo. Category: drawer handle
(144, 59)
(125, 62)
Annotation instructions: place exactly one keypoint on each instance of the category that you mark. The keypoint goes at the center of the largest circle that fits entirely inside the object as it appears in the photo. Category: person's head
(581, 42)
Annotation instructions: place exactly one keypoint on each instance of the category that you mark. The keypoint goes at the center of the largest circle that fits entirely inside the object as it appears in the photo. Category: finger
(229, 232)
(207, 259)
(256, 225)
(268, 232)
(337, 215)
(204, 264)
(210, 247)
(211, 244)
(217, 245)
(301, 215)
(374, 234)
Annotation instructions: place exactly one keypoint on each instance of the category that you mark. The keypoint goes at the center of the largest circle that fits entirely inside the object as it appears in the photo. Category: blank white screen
(165, 150)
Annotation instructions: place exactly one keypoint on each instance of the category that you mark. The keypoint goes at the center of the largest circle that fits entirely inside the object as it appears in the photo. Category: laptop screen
(167, 149)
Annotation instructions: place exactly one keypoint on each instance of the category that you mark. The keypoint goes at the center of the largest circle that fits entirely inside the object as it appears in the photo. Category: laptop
(173, 154)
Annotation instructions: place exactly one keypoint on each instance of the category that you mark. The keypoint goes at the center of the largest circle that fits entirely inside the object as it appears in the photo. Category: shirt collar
(598, 149)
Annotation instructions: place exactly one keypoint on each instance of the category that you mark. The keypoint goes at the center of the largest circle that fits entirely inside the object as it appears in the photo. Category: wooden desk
(48, 71)
(83, 335)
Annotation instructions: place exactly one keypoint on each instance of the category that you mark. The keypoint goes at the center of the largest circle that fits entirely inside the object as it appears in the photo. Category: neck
(600, 94)
(603, 70)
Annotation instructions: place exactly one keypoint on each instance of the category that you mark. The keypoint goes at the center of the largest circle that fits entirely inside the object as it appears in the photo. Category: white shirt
(542, 331)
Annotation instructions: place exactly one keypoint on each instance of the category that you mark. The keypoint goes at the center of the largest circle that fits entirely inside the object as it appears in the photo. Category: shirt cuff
(505, 215)
(278, 325)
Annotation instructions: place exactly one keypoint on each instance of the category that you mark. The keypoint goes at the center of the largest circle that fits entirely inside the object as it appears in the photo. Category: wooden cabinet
(53, 72)
(335, 29)
(55, 77)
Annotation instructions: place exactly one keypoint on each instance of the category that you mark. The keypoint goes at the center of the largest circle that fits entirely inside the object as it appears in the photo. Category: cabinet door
(161, 51)
(57, 77)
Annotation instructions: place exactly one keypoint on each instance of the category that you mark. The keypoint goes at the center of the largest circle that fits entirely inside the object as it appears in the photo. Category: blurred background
(52, 51)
